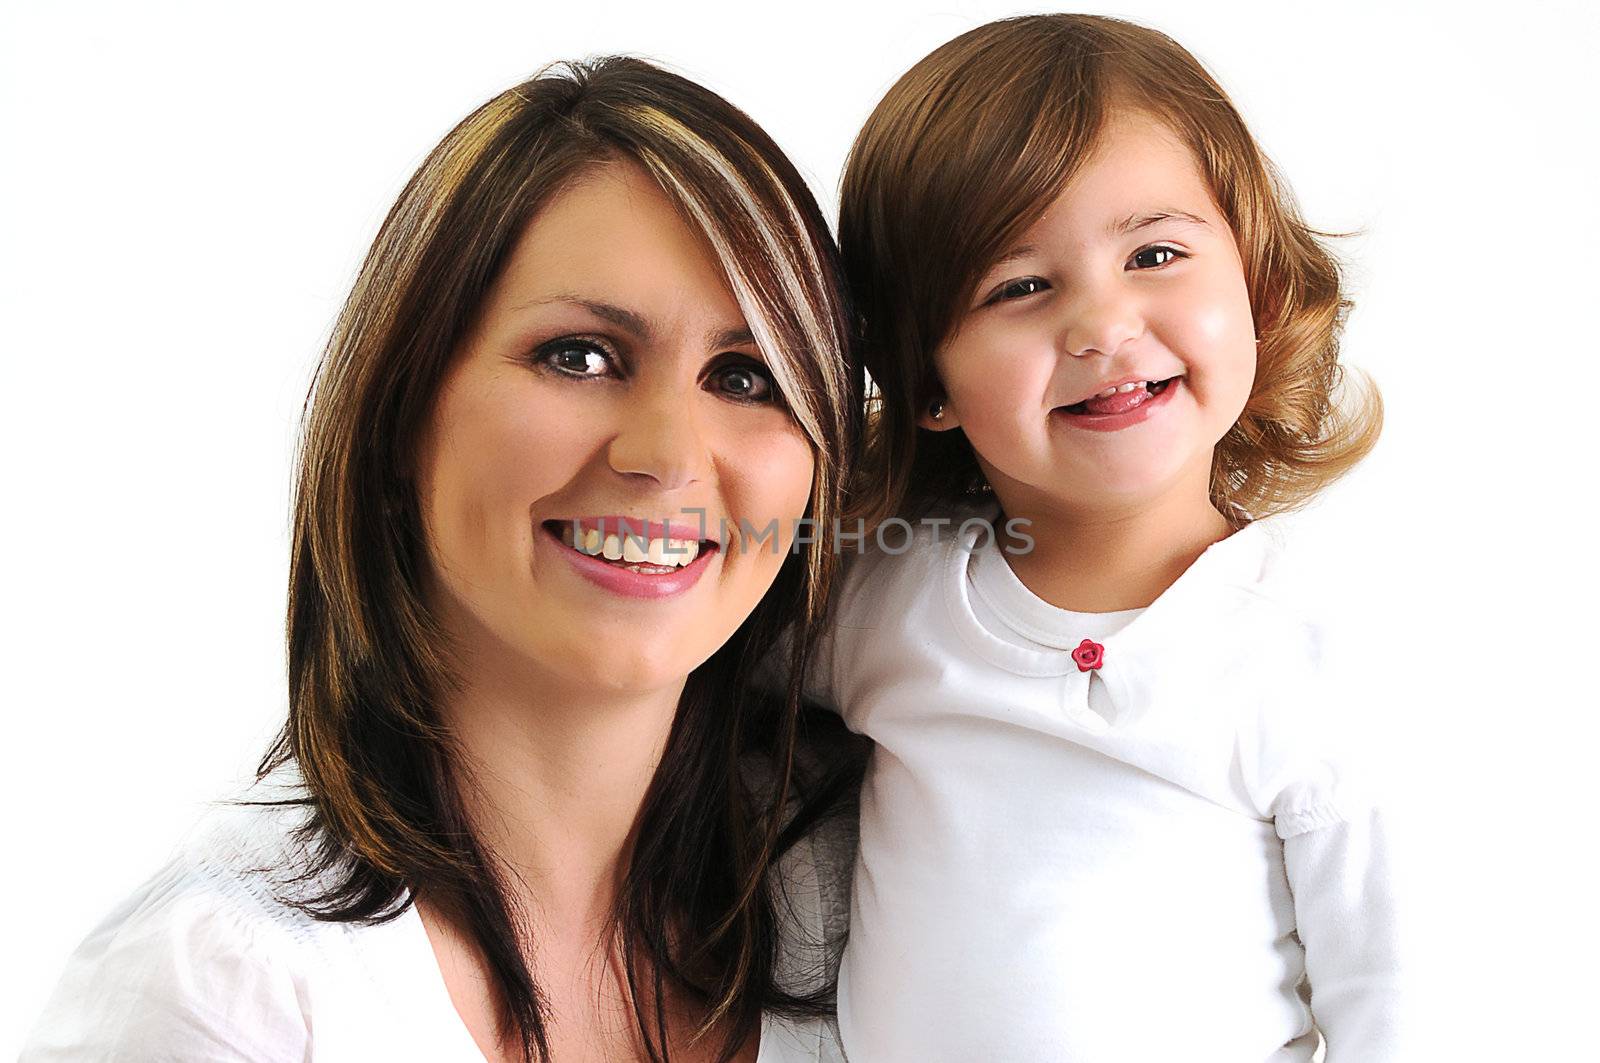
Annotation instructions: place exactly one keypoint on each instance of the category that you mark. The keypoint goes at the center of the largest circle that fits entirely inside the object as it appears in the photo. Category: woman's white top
(1166, 857)
(204, 962)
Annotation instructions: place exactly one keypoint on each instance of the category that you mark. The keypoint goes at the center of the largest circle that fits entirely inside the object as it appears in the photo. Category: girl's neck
(1110, 558)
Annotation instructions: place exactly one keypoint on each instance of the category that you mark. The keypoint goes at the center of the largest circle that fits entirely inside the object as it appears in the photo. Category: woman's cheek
(768, 473)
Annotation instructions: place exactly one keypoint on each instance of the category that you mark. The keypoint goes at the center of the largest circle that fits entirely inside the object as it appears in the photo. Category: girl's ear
(938, 415)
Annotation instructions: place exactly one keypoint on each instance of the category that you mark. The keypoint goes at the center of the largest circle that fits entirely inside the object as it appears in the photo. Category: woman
(525, 805)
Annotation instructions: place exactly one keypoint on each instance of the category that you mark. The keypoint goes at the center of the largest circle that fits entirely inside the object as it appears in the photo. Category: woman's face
(610, 377)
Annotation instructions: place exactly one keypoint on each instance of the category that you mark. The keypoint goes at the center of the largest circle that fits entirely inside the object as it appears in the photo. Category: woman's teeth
(631, 549)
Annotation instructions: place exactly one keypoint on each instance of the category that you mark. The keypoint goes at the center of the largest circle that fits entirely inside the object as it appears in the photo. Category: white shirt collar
(1238, 563)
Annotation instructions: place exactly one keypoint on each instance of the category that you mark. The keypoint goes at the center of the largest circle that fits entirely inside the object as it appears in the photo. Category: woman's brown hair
(369, 663)
(972, 145)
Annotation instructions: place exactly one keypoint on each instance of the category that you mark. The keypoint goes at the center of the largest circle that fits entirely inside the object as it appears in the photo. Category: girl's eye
(1156, 257)
(747, 381)
(1020, 288)
(572, 357)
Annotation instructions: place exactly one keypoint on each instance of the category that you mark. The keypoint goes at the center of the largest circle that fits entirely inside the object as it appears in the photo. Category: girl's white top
(205, 962)
(1167, 857)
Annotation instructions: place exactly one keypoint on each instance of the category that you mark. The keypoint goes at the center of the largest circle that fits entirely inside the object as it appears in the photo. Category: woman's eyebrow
(729, 337)
(634, 322)
(619, 316)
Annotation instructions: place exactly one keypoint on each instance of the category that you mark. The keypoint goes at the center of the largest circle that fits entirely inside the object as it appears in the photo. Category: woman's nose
(660, 437)
(1100, 320)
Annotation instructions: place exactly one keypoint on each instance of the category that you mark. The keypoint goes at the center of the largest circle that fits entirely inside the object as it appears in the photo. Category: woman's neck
(554, 779)
(1113, 557)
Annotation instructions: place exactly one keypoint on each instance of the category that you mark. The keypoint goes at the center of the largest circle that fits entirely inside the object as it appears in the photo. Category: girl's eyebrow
(1135, 222)
(1012, 255)
(1132, 223)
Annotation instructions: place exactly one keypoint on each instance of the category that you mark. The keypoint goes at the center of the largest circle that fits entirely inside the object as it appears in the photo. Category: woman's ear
(938, 415)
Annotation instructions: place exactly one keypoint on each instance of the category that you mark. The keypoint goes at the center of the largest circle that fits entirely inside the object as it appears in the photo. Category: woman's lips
(633, 579)
(1119, 411)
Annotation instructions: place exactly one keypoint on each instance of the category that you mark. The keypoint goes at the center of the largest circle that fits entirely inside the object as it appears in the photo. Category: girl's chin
(1117, 486)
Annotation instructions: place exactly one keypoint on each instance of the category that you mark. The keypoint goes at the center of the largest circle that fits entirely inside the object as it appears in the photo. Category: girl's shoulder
(1318, 732)
(1270, 571)
(887, 567)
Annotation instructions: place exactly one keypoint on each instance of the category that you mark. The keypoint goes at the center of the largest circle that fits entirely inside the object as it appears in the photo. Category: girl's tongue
(1121, 402)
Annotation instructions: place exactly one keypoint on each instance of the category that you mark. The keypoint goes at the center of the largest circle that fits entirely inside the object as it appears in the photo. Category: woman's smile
(634, 557)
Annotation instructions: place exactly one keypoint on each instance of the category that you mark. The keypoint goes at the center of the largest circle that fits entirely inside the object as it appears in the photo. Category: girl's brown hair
(971, 146)
(369, 663)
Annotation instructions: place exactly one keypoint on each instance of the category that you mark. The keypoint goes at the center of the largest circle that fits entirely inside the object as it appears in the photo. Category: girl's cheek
(1013, 369)
(1214, 332)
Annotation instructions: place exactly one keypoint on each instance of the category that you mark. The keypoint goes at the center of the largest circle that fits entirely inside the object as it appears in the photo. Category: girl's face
(611, 376)
(1130, 281)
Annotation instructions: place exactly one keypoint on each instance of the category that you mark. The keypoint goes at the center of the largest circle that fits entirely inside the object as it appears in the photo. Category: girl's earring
(936, 409)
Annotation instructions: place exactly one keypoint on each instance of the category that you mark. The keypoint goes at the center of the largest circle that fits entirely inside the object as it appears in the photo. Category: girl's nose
(1100, 322)
(658, 436)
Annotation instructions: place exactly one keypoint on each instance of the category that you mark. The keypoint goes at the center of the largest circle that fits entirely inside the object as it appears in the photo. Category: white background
(188, 189)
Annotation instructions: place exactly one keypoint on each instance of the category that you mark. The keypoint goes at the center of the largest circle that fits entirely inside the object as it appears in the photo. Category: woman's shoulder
(810, 880)
(199, 961)
(811, 896)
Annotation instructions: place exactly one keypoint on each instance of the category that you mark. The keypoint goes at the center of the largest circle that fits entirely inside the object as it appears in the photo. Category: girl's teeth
(592, 541)
(632, 552)
(613, 548)
(1122, 389)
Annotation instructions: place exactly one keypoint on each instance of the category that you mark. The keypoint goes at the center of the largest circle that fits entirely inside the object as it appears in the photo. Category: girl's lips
(1115, 422)
(629, 582)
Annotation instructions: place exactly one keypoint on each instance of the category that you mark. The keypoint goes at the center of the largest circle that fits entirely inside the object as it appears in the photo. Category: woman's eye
(746, 382)
(1155, 257)
(574, 357)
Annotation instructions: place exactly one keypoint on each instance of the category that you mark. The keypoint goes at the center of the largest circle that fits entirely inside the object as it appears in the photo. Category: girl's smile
(1122, 404)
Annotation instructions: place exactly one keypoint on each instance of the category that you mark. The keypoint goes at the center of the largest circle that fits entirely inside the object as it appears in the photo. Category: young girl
(1108, 816)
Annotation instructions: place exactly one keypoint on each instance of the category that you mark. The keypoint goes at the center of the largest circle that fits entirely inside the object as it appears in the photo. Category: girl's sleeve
(179, 971)
(1348, 910)
(1322, 772)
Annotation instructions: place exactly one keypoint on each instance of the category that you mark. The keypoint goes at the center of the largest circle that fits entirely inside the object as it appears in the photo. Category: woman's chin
(619, 662)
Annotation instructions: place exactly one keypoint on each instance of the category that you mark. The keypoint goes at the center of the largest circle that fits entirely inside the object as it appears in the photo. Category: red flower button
(1089, 655)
